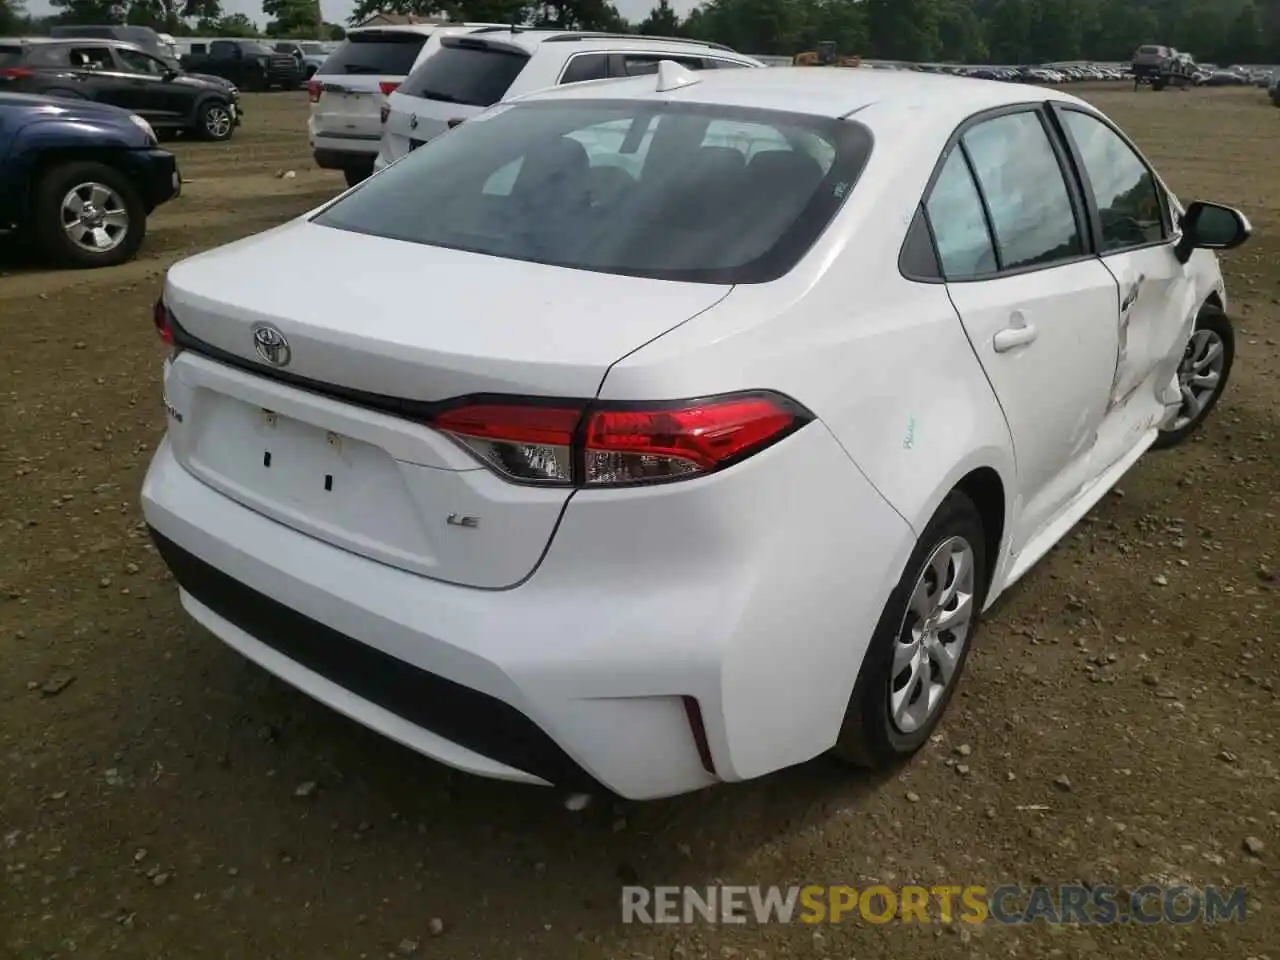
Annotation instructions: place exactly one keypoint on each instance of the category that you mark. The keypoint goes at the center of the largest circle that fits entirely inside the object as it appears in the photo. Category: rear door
(464, 77)
(98, 76)
(368, 65)
(1038, 309)
(1135, 238)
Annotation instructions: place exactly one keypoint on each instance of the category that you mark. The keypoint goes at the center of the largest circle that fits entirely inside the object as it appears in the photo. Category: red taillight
(388, 87)
(386, 111)
(620, 444)
(314, 90)
(16, 73)
(161, 317)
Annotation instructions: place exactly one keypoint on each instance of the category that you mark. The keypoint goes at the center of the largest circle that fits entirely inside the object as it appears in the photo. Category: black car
(122, 75)
(249, 64)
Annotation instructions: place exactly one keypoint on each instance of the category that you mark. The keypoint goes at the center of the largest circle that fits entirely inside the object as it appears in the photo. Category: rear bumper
(753, 595)
(328, 158)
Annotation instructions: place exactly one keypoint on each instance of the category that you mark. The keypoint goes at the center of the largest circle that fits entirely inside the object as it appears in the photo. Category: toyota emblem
(271, 346)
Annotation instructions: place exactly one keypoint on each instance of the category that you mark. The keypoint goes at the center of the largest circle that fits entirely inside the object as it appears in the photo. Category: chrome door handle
(1013, 336)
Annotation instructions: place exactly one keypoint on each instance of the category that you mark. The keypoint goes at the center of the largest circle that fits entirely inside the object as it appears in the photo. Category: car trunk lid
(318, 442)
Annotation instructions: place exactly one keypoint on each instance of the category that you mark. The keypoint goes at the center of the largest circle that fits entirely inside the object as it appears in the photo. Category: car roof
(426, 29)
(74, 41)
(821, 91)
(531, 39)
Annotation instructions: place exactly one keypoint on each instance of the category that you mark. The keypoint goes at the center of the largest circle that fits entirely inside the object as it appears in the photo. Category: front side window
(137, 62)
(959, 224)
(639, 188)
(1126, 192)
(91, 58)
(1026, 194)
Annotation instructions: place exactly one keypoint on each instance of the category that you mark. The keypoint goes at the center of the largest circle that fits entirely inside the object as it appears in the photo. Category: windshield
(256, 49)
(691, 192)
(381, 53)
(476, 75)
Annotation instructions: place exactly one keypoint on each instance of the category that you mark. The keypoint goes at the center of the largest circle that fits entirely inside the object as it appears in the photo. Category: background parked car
(80, 212)
(471, 73)
(249, 64)
(309, 54)
(348, 92)
(122, 75)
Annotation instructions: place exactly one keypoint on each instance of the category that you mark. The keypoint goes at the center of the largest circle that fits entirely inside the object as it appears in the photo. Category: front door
(1040, 313)
(1136, 242)
(151, 95)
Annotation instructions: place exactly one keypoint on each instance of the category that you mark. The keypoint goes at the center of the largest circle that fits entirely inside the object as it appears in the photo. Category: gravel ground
(162, 798)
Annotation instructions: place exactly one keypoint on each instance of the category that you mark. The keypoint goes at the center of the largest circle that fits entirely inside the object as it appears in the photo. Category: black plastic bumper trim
(471, 719)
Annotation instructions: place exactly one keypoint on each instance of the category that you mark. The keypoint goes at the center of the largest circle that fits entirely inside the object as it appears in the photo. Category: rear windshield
(675, 191)
(1150, 49)
(472, 74)
(10, 56)
(382, 53)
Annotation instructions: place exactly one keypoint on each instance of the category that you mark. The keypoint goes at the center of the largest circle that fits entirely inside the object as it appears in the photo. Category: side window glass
(713, 64)
(587, 66)
(1127, 194)
(959, 225)
(137, 62)
(638, 64)
(1022, 182)
(91, 58)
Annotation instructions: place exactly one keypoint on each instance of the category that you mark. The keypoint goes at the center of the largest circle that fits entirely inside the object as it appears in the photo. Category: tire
(356, 175)
(214, 122)
(1212, 326)
(1158, 84)
(124, 224)
(869, 736)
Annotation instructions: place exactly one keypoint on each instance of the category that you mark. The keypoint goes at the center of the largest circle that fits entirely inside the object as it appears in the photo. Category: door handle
(1015, 335)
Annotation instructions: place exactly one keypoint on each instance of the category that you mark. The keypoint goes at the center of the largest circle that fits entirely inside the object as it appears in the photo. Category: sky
(337, 11)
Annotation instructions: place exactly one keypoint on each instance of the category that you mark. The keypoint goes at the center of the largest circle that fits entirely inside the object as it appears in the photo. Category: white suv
(347, 91)
(472, 72)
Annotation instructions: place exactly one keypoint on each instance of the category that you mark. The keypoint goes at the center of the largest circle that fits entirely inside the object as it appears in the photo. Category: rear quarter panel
(883, 361)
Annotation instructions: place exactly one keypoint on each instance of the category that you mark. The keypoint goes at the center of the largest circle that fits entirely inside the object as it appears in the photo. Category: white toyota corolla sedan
(648, 433)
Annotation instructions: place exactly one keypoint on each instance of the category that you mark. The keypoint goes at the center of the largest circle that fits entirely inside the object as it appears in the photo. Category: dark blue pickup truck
(80, 178)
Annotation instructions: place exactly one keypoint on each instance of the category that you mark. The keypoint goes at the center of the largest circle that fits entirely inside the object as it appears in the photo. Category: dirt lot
(149, 776)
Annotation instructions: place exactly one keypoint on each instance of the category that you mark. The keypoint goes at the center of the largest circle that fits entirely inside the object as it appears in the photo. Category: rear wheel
(918, 652)
(1202, 374)
(87, 215)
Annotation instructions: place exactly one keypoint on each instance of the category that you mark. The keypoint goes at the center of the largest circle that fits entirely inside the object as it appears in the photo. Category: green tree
(903, 29)
(12, 15)
(961, 35)
(169, 16)
(1009, 31)
(292, 18)
(90, 11)
(662, 21)
(232, 25)
(1244, 36)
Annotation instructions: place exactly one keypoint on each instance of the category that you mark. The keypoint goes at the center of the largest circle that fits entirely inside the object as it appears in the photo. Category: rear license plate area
(297, 470)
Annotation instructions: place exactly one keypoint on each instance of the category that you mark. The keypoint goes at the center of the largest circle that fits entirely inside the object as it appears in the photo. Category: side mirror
(1211, 226)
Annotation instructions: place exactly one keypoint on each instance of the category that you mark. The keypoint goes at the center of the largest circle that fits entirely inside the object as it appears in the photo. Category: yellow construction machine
(824, 56)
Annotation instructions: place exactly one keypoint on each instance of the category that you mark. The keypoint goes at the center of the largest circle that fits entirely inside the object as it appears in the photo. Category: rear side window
(477, 75)
(10, 56)
(384, 53)
(638, 64)
(586, 66)
(959, 224)
(1021, 179)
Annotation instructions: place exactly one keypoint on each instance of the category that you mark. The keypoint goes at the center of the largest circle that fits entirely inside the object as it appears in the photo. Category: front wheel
(214, 121)
(87, 215)
(918, 651)
(1202, 374)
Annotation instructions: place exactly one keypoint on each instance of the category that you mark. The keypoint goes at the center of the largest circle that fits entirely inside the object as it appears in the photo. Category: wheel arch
(986, 478)
(47, 160)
